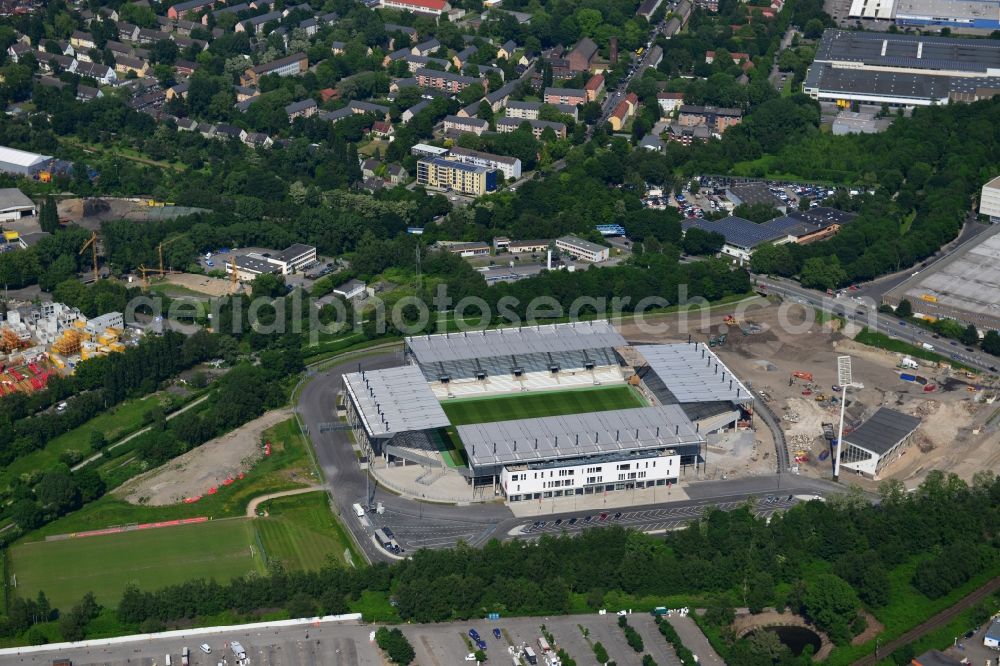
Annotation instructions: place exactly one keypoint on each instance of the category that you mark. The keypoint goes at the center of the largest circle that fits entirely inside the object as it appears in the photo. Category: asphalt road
(866, 313)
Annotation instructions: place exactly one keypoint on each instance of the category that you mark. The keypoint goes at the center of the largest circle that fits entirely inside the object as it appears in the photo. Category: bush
(632, 636)
(600, 653)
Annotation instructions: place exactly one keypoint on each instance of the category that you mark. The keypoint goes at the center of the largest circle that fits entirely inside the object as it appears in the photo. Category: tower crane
(92, 244)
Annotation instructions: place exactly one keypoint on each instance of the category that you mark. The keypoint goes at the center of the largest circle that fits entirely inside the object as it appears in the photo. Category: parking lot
(447, 645)
(219, 259)
(711, 199)
(334, 644)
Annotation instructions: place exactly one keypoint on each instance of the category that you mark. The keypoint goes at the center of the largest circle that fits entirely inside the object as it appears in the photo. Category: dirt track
(208, 465)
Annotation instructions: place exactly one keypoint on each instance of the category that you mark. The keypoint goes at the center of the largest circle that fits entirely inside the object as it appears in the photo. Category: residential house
(507, 50)
(182, 9)
(594, 87)
(101, 73)
(426, 48)
(572, 96)
(453, 83)
(223, 131)
(258, 140)
(461, 59)
(126, 64)
(361, 108)
(291, 65)
(383, 130)
(409, 113)
(82, 41)
(432, 7)
(507, 125)
(717, 119)
(465, 125)
(255, 25)
(623, 111)
(669, 102)
(737, 57)
(301, 109)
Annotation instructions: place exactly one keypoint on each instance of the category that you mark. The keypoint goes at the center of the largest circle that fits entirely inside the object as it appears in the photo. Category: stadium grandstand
(547, 411)
(518, 359)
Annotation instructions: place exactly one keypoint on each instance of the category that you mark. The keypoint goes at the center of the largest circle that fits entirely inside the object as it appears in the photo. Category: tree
(57, 492)
(991, 343)
(831, 603)
(770, 259)
(823, 272)
(699, 241)
(969, 335)
(301, 605)
(904, 309)
(27, 514)
(48, 217)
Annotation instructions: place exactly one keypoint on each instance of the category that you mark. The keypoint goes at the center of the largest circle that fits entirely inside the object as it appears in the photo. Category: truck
(529, 655)
(543, 645)
(659, 611)
(238, 650)
(359, 510)
(927, 346)
(186, 657)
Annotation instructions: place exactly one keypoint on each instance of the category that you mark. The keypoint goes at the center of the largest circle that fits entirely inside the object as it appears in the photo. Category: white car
(470, 657)
(623, 612)
(206, 648)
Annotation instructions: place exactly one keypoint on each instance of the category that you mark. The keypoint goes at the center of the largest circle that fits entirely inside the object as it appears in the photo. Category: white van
(359, 510)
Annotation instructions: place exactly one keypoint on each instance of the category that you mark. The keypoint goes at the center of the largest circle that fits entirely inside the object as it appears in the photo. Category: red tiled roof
(436, 5)
(595, 82)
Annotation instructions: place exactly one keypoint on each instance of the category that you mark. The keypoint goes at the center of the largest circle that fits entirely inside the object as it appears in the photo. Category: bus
(639, 51)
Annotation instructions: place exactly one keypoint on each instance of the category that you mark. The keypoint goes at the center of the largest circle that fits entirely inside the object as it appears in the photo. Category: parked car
(496, 633)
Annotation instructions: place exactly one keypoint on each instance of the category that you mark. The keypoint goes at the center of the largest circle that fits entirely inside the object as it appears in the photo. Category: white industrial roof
(691, 372)
(577, 435)
(21, 157)
(512, 341)
(395, 400)
(12, 198)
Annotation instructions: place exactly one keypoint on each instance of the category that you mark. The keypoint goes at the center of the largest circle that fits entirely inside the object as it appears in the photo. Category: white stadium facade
(686, 392)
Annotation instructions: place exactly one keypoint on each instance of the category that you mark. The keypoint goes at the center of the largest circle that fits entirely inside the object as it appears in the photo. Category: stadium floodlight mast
(844, 378)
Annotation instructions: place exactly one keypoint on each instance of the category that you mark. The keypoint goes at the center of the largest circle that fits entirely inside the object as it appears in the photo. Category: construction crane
(92, 244)
(145, 274)
(159, 250)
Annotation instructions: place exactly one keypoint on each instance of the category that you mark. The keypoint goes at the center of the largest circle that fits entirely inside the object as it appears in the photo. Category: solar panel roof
(395, 400)
(885, 429)
(738, 231)
(494, 342)
(577, 435)
(693, 373)
(915, 51)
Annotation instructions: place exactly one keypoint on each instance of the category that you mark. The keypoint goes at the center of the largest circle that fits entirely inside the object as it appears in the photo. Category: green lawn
(540, 403)
(151, 559)
(303, 533)
(114, 423)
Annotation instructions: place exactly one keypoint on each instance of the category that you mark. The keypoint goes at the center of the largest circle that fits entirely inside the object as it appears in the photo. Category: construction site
(788, 357)
(38, 340)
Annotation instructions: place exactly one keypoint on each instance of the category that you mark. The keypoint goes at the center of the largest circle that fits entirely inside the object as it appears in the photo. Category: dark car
(572, 521)
(618, 515)
(588, 519)
(952, 343)
(603, 516)
(536, 524)
(496, 633)
(558, 521)
(474, 635)
(993, 368)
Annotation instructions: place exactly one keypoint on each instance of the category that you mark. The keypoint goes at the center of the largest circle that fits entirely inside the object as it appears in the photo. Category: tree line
(797, 559)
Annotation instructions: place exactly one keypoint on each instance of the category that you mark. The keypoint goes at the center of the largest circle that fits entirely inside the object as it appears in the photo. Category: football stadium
(547, 411)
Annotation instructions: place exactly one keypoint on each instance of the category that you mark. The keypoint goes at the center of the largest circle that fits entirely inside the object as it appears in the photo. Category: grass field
(541, 403)
(302, 532)
(151, 559)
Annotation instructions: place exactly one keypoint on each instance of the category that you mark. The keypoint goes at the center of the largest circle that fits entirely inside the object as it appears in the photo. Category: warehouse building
(22, 162)
(877, 442)
(742, 236)
(14, 205)
(954, 14)
(583, 249)
(902, 70)
(989, 200)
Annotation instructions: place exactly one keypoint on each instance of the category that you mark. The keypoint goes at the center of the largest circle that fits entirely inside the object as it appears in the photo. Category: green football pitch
(149, 559)
(540, 403)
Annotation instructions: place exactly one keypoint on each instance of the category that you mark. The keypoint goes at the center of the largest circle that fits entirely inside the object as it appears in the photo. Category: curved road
(257, 501)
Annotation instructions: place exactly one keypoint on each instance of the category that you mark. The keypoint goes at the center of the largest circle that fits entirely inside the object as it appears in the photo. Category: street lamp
(844, 377)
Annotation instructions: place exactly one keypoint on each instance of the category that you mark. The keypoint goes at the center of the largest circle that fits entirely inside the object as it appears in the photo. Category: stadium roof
(691, 372)
(21, 158)
(577, 435)
(883, 431)
(513, 341)
(395, 400)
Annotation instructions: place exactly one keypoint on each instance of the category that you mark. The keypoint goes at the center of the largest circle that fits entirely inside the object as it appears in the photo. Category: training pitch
(541, 403)
(149, 559)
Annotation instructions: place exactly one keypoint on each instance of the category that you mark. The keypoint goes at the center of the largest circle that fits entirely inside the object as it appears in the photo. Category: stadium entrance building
(684, 391)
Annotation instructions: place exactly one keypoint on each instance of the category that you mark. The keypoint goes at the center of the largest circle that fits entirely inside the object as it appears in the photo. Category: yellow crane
(159, 250)
(234, 275)
(92, 244)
